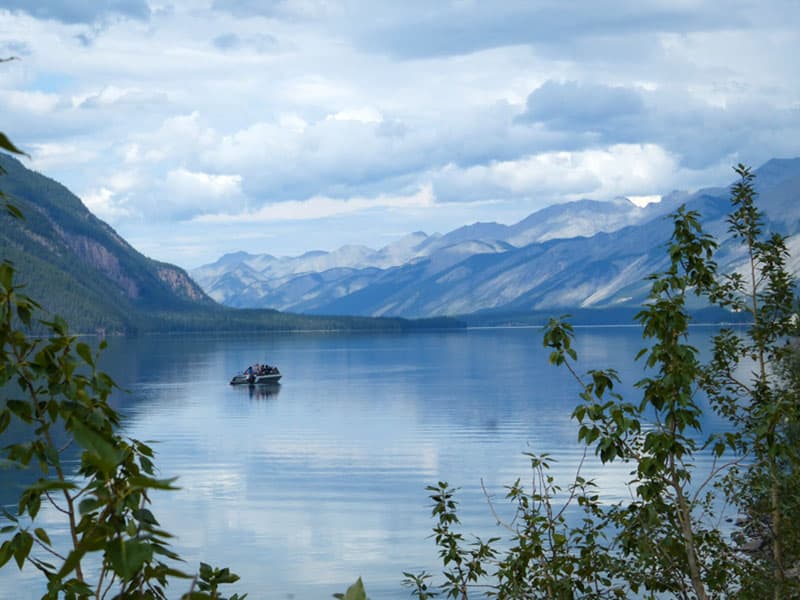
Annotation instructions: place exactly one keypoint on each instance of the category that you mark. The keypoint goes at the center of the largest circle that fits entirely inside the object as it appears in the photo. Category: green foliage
(765, 409)
(420, 585)
(464, 565)
(666, 540)
(354, 592)
(52, 387)
(8, 146)
(208, 581)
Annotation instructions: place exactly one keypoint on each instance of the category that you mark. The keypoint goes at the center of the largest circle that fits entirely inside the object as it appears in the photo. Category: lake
(304, 487)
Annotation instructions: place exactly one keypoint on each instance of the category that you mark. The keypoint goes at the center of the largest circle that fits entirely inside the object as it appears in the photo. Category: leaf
(14, 211)
(145, 516)
(47, 485)
(88, 505)
(85, 353)
(354, 592)
(6, 550)
(24, 313)
(128, 557)
(21, 409)
(23, 543)
(73, 560)
(6, 276)
(8, 515)
(149, 483)
(41, 534)
(5, 419)
(107, 455)
(6, 144)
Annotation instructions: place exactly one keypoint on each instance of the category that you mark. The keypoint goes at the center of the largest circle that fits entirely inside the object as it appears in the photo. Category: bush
(666, 540)
(51, 385)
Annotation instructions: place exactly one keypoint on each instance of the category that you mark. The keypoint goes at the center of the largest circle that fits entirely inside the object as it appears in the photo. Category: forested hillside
(78, 267)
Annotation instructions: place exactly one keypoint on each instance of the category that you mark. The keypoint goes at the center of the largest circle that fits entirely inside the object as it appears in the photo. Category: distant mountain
(77, 266)
(584, 254)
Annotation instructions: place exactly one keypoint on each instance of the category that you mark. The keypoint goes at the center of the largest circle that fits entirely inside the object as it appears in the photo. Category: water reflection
(260, 391)
(303, 486)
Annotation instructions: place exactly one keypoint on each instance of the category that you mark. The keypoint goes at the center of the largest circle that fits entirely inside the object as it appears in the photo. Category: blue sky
(201, 127)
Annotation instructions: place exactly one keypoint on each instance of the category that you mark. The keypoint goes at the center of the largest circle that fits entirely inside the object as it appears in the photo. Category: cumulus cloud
(51, 155)
(182, 194)
(80, 11)
(696, 125)
(33, 101)
(419, 29)
(582, 105)
(315, 110)
(102, 202)
(199, 190)
(622, 169)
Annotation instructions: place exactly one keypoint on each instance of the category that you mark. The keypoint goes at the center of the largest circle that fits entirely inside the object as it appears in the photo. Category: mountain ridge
(587, 253)
(75, 265)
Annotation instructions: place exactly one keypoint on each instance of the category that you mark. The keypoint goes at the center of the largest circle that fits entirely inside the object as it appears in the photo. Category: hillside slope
(78, 267)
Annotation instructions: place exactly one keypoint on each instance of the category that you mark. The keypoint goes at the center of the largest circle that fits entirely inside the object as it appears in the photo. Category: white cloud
(115, 96)
(312, 90)
(102, 203)
(33, 102)
(321, 207)
(174, 110)
(195, 191)
(292, 122)
(362, 115)
(203, 184)
(50, 155)
(622, 169)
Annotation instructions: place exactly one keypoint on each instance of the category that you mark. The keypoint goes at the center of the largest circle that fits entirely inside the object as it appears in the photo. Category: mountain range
(586, 254)
(75, 265)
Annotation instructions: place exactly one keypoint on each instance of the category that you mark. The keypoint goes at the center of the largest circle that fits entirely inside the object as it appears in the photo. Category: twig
(574, 485)
(55, 505)
(110, 583)
(497, 518)
(48, 548)
(713, 475)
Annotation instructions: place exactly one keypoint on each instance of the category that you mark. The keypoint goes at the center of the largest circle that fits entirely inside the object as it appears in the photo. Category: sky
(201, 127)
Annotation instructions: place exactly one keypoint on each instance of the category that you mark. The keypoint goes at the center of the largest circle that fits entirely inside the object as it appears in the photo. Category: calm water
(302, 488)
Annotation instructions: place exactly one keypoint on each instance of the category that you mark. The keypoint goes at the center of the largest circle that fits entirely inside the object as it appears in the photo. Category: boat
(257, 374)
